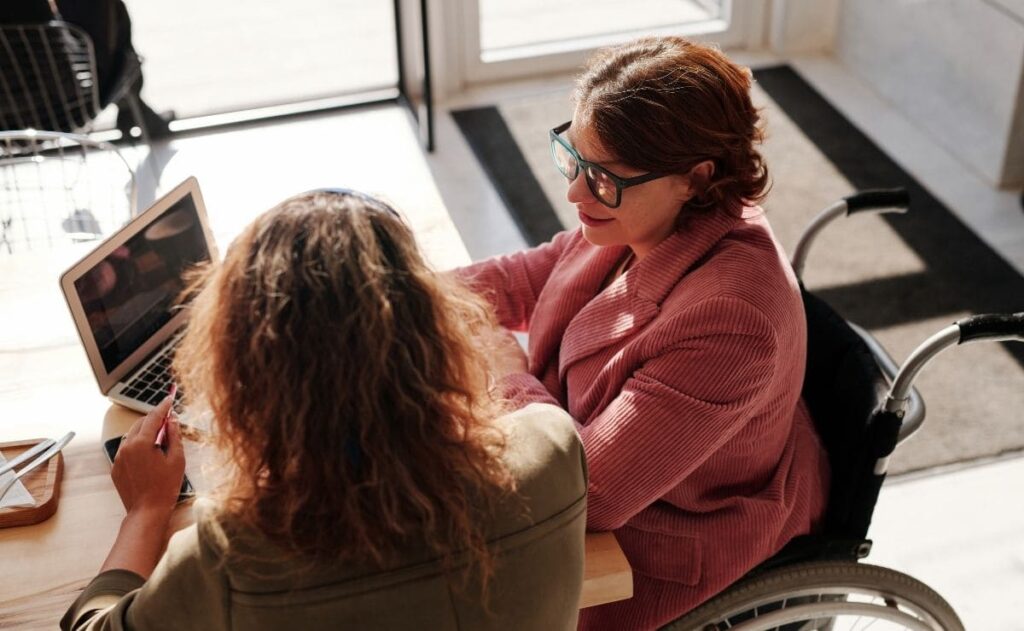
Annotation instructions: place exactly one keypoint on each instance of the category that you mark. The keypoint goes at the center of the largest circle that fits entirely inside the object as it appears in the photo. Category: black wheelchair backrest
(844, 390)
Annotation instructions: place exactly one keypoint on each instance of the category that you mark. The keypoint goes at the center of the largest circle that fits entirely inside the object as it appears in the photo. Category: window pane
(505, 24)
(204, 57)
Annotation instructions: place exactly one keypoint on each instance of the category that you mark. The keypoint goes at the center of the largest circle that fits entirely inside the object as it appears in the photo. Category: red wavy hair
(665, 104)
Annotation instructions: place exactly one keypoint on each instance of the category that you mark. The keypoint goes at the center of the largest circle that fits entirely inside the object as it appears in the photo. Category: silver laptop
(124, 296)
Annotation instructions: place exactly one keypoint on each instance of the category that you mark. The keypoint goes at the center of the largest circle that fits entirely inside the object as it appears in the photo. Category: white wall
(954, 67)
(803, 26)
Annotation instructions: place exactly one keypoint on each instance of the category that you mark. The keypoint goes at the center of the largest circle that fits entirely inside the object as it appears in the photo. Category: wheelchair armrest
(914, 416)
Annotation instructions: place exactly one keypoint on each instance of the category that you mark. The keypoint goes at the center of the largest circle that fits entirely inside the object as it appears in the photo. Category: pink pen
(161, 436)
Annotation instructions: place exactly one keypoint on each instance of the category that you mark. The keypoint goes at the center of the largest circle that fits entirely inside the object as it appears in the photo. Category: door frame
(744, 27)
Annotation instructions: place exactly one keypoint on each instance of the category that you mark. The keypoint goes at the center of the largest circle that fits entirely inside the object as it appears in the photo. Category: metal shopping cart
(863, 405)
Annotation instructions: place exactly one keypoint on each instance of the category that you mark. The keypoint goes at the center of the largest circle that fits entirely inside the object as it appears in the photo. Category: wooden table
(47, 388)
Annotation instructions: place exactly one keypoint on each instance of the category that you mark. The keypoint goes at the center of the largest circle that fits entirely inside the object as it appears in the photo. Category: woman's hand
(146, 478)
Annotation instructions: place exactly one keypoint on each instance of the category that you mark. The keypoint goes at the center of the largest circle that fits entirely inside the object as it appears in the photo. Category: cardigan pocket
(667, 556)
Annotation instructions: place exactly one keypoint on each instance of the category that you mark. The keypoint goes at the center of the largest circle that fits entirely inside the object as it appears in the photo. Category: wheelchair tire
(825, 596)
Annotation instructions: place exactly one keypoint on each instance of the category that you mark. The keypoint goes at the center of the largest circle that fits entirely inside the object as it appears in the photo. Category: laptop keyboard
(150, 384)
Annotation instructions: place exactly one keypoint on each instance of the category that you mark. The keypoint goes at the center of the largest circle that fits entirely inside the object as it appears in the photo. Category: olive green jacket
(536, 585)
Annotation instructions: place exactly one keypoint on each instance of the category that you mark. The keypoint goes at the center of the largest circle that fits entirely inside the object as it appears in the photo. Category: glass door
(506, 40)
(206, 58)
(220, 63)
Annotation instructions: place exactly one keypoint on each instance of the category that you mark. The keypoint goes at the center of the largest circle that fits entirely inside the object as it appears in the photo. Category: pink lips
(592, 221)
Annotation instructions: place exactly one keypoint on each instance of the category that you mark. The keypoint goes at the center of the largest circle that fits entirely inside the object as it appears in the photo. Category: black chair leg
(152, 125)
(136, 108)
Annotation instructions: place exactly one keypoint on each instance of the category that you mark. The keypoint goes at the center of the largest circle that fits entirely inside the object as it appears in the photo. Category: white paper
(17, 496)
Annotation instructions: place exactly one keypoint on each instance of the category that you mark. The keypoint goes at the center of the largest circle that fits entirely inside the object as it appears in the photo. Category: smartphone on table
(111, 446)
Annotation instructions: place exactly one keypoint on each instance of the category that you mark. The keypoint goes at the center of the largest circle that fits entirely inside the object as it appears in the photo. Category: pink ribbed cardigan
(683, 377)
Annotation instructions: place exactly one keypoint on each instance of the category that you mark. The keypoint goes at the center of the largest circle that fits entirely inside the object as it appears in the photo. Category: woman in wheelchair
(369, 484)
(670, 326)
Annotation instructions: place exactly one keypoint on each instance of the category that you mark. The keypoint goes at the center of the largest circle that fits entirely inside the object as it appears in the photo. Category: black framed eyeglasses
(605, 185)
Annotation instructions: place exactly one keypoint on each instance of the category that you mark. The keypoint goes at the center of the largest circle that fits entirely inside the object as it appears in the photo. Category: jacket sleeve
(182, 589)
(512, 282)
(522, 389)
(678, 408)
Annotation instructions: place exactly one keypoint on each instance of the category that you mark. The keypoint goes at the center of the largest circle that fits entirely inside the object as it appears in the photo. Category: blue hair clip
(348, 192)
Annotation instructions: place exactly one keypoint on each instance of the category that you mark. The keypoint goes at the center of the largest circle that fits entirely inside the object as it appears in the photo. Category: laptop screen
(132, 292)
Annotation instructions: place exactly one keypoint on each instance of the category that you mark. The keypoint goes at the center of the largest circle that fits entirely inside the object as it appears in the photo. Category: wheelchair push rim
(825, 596)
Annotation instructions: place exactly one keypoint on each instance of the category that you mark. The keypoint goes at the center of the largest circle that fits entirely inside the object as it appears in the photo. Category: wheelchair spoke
(869, 624)
(826, 596)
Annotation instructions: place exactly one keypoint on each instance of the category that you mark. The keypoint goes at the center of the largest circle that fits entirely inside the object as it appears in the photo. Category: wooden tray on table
(43, 483)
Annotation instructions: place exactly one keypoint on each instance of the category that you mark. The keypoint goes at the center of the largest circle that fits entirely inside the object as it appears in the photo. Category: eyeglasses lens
(601, 186)
(564, 160)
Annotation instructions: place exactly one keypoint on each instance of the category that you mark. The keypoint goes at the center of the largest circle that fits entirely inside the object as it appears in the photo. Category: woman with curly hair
(670, 326)
(372, 479)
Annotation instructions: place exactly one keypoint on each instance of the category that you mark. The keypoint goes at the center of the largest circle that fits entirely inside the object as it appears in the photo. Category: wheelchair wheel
(824, 596)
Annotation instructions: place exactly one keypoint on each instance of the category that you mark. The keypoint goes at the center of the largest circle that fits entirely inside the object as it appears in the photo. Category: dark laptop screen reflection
(130, 295)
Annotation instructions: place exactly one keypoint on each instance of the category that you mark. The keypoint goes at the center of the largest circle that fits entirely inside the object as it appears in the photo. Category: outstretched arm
(512, 282)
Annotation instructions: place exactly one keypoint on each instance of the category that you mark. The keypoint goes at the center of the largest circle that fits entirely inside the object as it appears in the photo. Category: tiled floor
(962, 533)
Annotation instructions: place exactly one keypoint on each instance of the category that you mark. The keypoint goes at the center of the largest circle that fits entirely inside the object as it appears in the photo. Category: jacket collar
(635, 298)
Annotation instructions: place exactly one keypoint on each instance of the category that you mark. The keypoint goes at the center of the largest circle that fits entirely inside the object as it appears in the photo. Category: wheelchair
(863, 406)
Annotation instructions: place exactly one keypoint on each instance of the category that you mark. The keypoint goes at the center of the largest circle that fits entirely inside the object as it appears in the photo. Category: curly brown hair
(665, 104)
(348, 391)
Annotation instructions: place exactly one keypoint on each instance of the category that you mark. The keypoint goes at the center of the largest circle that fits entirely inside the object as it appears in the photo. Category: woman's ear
(700, 175)
(697, 179)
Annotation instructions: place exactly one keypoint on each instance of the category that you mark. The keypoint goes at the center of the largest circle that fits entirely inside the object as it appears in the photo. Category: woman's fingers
(151, 422)
(175, 449)
(154, 417)
(134, 429)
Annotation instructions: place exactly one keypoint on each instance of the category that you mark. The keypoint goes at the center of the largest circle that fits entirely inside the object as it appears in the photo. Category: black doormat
(505, 165)
(962, 273)
(956, 273)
